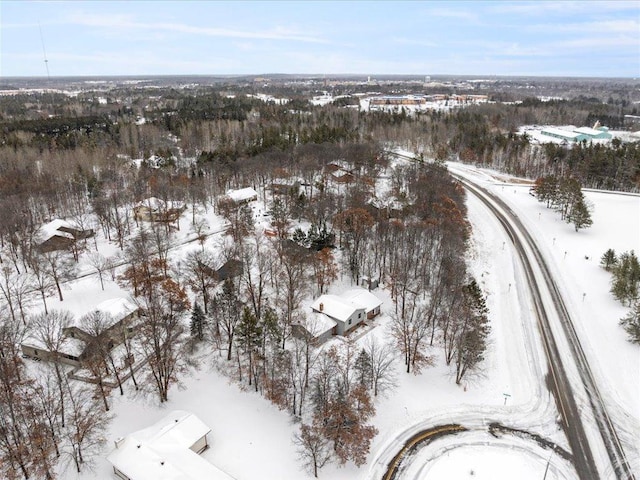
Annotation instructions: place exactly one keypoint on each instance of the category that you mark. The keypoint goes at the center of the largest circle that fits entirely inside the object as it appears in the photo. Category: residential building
(156, 210)
(349, 309)
(78, 344)
(242, 196)
(167, 450)
(60, 235)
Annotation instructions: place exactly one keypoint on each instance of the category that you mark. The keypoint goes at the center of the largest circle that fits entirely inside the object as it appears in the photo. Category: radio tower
(44, 52)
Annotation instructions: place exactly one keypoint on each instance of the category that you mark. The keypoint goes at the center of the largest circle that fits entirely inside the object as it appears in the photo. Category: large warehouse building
(577, 134)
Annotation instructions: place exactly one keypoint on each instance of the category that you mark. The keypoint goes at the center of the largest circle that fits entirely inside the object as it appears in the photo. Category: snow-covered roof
(334, 306)
(154, 203)
(588, 131)
(342, 306)
(343, 164)
(560, 132)
(363, 298)
(162, 451)
(50, 229)
(117, 307)
(341, 173)
(242, 194)
(157, 204)
(317, 324)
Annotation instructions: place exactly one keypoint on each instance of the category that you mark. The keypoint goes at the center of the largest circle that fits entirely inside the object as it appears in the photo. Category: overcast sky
(582, 38)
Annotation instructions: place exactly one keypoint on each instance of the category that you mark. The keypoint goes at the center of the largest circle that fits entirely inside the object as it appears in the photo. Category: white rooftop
(242, 194)
(317, 324)
(50, 229)
(561, 132)
(157, 204)
(342, 306)
(363, 298)
(162, 451)
(117, 307)
(154, 203)
(587, 131)
(334, 306)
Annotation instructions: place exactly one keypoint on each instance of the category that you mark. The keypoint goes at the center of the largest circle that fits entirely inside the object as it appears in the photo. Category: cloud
(411, 41)
(123, 21)
(601, 42)
(456, 13)
(547, 9)
(626, 26)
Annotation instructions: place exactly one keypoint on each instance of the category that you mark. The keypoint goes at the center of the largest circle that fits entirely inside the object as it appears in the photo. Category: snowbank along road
(552, 315)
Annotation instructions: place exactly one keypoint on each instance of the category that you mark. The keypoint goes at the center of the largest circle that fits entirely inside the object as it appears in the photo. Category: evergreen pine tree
(472, 341)
(300, 237)
(197, 322)
(579, 213)
(363, 368)
(609, 260)
(626, 278)
(631, 324)
(249, 339)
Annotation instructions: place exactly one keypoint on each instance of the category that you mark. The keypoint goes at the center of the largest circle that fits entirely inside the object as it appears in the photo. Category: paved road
(572, 415)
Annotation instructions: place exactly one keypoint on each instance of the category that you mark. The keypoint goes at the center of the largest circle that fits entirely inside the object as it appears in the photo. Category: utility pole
(44, 52)
(546, 470)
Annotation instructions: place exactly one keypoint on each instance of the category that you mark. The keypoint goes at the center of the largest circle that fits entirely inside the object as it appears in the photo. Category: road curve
(559, 384)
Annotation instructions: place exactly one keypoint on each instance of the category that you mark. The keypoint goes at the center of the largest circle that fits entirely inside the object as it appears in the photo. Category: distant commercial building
(601, 133)
(576, 135)
(398, 100)
(565, 135)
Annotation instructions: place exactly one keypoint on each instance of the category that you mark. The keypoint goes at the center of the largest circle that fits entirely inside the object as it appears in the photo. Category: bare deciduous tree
(313, 447)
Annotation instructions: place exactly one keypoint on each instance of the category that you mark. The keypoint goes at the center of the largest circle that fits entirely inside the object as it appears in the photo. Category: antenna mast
(44, 52)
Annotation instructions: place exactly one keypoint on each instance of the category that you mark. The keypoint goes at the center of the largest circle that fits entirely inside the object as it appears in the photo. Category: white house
(167, 450)
(348, 309)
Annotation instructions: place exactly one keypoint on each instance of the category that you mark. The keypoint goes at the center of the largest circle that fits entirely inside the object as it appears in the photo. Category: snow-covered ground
(251, 438)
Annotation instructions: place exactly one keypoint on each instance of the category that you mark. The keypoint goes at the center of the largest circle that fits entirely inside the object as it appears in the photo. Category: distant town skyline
(100, 38)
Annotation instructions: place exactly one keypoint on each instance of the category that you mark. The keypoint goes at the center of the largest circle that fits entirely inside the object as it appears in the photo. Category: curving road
(556, 327)
(572, 415)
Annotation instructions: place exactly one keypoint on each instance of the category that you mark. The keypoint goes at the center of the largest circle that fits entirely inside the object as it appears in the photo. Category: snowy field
(251, 438)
